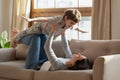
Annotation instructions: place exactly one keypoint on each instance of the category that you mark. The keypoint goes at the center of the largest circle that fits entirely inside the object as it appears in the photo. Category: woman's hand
(63, 32)
(54, 28)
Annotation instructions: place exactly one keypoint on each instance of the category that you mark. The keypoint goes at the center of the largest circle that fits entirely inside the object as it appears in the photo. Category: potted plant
(4, 41)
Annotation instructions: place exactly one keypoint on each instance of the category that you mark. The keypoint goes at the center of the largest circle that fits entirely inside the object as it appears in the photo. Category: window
(61, 3)
(44, 8)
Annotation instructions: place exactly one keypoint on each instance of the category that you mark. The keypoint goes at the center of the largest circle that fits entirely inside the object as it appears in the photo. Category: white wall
(115, 19)
(5, 14)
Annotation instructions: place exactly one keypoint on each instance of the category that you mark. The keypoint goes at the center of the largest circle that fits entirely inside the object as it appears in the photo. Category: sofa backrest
(21, 50)
(90, 48)
(95, 48)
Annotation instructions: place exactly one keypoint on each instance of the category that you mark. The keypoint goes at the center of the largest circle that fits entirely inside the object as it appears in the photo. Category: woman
(36, 36)
(72, 61)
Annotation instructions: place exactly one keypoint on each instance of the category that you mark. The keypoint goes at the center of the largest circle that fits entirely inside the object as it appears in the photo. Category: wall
(5, 16)
(115, 19)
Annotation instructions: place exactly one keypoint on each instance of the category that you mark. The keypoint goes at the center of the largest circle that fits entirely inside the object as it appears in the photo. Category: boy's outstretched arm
(77, 28)
(80, 30)
(39, 19)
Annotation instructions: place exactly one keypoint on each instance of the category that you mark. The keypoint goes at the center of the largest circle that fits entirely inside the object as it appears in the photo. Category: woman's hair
(80, 65)
(73, 14)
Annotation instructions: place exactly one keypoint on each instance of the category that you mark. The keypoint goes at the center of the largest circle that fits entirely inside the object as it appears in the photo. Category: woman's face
(69, 23)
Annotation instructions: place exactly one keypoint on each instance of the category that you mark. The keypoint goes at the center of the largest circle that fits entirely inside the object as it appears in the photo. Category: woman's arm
(66, 47)
(49, 51)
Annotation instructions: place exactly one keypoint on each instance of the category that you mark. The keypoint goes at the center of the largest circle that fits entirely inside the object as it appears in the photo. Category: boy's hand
(83, 31)
(26, 19)
(80, 30)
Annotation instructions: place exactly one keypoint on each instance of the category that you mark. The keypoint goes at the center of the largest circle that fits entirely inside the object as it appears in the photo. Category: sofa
(104, 57)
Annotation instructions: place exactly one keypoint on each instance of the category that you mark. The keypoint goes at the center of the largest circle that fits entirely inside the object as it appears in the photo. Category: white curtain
(20, 8)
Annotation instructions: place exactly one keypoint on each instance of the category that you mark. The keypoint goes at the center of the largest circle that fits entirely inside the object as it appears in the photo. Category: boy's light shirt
(43, 27)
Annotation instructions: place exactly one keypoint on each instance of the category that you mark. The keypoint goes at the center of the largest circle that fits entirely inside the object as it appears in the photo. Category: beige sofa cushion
(64, 75)
(15, 70)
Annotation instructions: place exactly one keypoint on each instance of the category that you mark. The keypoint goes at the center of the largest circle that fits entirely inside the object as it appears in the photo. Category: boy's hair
(80, 65)
(73, 14)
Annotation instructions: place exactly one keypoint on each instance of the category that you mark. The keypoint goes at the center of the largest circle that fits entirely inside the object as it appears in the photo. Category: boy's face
(69, 23)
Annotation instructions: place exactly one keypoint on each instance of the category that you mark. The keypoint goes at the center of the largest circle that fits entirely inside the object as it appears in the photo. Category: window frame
(85, 11)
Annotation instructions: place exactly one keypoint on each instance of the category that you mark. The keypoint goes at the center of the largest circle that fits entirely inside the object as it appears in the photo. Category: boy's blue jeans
(36, 53)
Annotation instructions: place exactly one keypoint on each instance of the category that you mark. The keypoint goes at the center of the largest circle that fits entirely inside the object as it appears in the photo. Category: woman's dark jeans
(36, 53)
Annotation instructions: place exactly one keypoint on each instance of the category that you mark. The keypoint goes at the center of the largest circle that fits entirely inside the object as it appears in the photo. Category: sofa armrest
(107, 68)
(7, 54)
